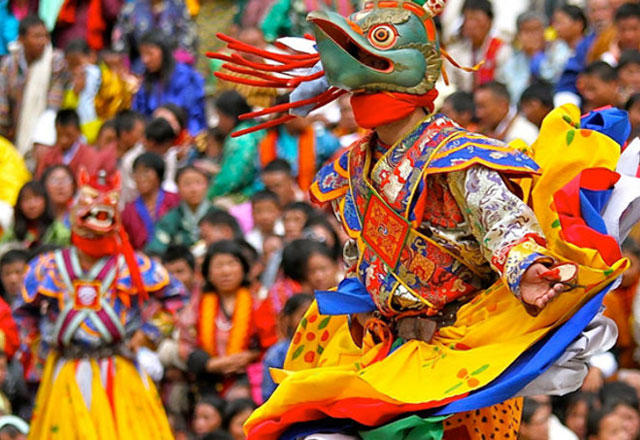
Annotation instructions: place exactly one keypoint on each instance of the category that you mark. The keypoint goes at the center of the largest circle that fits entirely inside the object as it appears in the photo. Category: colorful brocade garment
(80, 322)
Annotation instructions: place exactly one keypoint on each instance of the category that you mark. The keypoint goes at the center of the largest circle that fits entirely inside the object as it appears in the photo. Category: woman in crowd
(237, 412)
(319, 228)
(321, 267)
(207, 416)
(140, 216)
(167, 81)
(238, 154)
(34, 220)
(220, 332)
(60, 184)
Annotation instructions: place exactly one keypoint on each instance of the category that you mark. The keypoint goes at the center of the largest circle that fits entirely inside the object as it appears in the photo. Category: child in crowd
(60, 184)
(294, 216)
(606, 424)
(159, 139)
(180, 225)
(107, 136)
(218, 225)
(278, 178)
(207, 416)
(576, 408)
(459, 106)
(623, 400)
(210, 159)
(598, 85)
(13, 265)
(237, 412)
(266, 218)
(289, 317)
(629, 74)
(181, 264)
(633, 109)
(321, 268)
(536, 102)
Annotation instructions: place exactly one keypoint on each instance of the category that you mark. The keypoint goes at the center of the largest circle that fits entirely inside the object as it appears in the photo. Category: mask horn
(434, 7)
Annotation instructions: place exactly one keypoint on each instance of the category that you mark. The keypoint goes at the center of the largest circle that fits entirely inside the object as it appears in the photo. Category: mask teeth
(434, 7)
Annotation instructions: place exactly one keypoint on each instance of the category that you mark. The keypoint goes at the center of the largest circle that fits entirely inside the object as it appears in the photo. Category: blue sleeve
(326, 146)
(195, 104)
(140, 100)
(575, 65)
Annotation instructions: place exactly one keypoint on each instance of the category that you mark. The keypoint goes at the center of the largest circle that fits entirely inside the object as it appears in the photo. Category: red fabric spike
(251, 82)
(295, 81)
(264, 125)
(270, 67)
(267, 54)
(255, 73)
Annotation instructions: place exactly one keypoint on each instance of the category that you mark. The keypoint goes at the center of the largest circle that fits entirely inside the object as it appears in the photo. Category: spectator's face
(294, 221)
(476, 26)
(169, 117)
(629, 77)
(576, 419)
(566, 28)
(181, 270)
(226, 123)
(600, 14)
(634, 115)
(211, 233)
(322, 272)
(628, 33)
(59, 186)
(463, 119)
(538, 426)
(34, 42)
(32, 205)
(151, 57)
(67, 135)
(490, 109)
(107, 137)
(265, 215)
(76, 60)
(12, 276)
(206, 419)
(271, 244)
(128, 139)
(235, 424)
(534, 111)
(192, 187)
(147, 181)
(596, 92)
(631, 420)
(611, 428)
(531, 36)
(225, 273)
(281, 184)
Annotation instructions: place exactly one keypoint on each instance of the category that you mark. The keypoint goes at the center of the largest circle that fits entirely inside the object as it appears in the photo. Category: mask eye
(383, 36)
(113, 198)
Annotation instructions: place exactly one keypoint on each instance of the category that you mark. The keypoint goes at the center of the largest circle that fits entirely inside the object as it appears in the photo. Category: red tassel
(250, 82)
(254, 73)
(265, 53)
(132, 264)
(264, 125)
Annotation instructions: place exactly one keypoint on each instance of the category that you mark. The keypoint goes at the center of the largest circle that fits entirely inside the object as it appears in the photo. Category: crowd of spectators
(123, 85)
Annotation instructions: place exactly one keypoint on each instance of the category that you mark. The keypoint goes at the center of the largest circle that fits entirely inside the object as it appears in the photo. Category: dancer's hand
(535, 290)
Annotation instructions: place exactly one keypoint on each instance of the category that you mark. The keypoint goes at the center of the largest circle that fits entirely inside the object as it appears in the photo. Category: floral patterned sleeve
(506, 228)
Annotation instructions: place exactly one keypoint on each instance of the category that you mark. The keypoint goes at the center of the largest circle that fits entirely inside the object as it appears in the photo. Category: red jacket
(86, 156)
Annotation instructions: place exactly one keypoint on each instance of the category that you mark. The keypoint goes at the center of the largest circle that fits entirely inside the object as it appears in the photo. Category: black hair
(177, 252)
(498, 89)
(595, 417)
(294, 258)
(78, 45)
(317, 248)
(125, 120)
(160, 131)
(111, 123)
(49, 171)
(14, 256)
(250, 253)
(462, 102)
(616, 393)
(217, 435)
(306, 208)
(278, 166)
(186, 168)
(179, 112)
(528, 16)
(67, 117)
(575, 13)
(629, 56)
(215, 401)
(539, 91)
(529, 408)
(265, 195)
(320, 219)
(21, 223)
(156, 37)
(152, 161)
(570, 400)
(231, 247)
(479, 5)
(235, 407)
(232, 104)
(216, 134)
(30, 21)
(627, 10)
(633, 100)
(602, 70)
(216, 216)
(294, 303)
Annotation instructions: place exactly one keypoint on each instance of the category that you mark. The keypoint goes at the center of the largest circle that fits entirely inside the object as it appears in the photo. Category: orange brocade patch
(384, 231)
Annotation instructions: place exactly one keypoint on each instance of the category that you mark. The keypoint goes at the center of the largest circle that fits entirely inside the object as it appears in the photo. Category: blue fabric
(8, 27)
(591, 205)
(350, 297)
(575, 65)
(273, 358)
(611, 122)
(144, 214)
(185, 88)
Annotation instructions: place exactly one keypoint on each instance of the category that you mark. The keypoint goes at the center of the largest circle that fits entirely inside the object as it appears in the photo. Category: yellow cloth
(13, 172)
(490, 331)
(60, 411)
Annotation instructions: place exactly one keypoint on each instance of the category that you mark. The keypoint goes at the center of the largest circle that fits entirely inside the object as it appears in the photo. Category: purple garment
(135, 225)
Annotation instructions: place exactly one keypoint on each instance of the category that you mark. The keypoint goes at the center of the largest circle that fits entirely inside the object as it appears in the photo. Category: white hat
(45, 131)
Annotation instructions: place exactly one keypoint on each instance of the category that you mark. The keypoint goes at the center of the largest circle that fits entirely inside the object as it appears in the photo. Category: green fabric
(48, 11)
(57, 234)
(178, 226)
(409, 428)
(277, 21)
(240, 165)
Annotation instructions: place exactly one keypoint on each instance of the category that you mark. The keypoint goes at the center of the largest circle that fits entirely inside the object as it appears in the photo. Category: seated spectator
(278, 178)
(288, 320)
(319, 228)
(538, 422)
(536, 102)
(107, 136)
(294, 217)
(13, 266)
(159, 138)
(218, 225)
(237, 412)
(181, 264)
(478, 43)
(570, 24)
(460, 109)
(221, 332)
(34, 223)
(628, 74)
(60, 184)
(498, 119)
(598, 85)
(627, 33)
(321, 269)
(238, 154)
(300, 144)
(207, 416)
(184, 145)
(139, 217)
(632, 107)
(180, 225)
(577, 407)
(622, 399)
(211, 157)
(70, 149)
(83, 88)
(130, 128)
(168, 81)
(266, 218)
